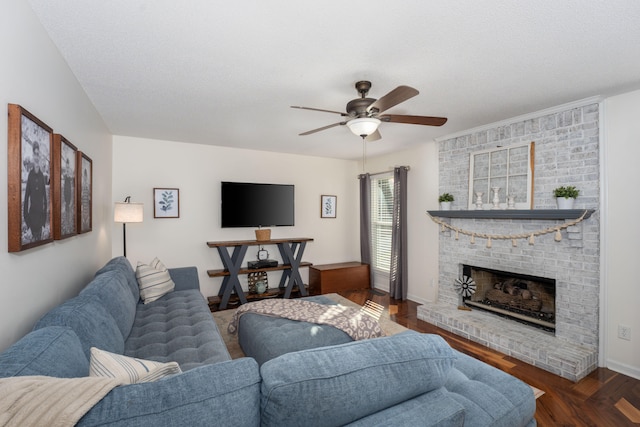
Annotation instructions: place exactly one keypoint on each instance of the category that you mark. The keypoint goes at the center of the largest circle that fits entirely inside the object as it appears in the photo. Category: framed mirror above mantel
(497, 174)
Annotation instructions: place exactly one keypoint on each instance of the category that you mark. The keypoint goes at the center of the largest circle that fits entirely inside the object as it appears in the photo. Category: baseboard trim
(623, 368)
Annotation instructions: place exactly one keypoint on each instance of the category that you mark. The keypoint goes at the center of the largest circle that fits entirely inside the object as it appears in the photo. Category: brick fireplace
(566, 153)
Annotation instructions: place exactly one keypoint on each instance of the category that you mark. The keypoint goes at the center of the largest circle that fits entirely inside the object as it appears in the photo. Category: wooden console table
(291, 251)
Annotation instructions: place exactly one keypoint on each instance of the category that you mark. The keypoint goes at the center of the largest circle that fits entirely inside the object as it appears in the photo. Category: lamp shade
(128, 212)
(363, 126)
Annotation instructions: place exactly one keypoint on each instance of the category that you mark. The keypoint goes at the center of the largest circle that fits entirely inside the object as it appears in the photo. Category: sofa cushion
(226, 393)
(339, 384)
(112, 291)
(185, 278)
(178, 327)
(128, 369)
(489, 395)
(433, 409)
(154, 280)
(90, 321)
(53, 351)
(123, 265)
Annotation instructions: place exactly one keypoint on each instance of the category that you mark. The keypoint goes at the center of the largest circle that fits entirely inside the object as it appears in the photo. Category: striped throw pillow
(154, 280)
(128, 369)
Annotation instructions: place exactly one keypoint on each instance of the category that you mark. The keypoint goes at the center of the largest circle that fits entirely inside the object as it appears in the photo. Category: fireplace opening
(523, 298)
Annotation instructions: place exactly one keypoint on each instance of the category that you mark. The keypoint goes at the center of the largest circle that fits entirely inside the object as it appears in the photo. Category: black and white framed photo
(84, 169)
(64, 181)
(328, 205)
(29, 172)
(166, 203)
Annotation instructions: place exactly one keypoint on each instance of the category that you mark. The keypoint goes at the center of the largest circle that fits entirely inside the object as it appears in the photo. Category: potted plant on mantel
(445, 200)
(565, 196)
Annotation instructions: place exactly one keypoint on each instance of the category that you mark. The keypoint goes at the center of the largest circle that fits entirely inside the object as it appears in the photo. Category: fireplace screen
(527, 299)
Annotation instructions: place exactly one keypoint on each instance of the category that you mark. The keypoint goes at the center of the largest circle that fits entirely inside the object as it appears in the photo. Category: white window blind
(381, 220)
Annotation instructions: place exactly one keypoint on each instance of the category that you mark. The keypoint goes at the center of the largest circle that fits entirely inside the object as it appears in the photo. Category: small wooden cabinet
(344, 276)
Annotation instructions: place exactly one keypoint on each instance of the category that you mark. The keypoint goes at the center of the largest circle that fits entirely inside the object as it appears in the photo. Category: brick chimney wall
(566, 153)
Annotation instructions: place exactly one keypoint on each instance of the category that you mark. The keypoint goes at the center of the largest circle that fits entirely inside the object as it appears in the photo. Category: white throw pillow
(128, 369)
(154, 280)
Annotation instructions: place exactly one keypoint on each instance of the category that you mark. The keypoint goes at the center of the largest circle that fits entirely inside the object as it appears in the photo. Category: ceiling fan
(363, 115)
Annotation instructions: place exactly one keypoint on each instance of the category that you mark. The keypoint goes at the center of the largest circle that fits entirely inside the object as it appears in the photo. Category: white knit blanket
(47, 401)
(356, 323)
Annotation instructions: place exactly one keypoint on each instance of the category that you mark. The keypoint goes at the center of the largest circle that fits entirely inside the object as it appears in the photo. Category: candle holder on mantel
(479, 195)
(496, 197)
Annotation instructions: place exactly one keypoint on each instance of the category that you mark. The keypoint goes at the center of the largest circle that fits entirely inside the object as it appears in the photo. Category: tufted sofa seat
(108, 314)
(176, 328)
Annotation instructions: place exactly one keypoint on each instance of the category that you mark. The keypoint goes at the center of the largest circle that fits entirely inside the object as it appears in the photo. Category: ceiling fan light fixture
(363, 126)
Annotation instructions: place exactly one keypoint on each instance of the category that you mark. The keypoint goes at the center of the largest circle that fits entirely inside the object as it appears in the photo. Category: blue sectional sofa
(406, 379)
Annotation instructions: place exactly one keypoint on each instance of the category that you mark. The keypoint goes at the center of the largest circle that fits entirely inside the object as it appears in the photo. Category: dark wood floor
(604, 398)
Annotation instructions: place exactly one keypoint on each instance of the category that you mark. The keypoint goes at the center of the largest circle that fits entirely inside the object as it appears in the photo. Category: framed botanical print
(64, 189)
(29, 190)
(84, 170)
(328, 206)
(166, 203)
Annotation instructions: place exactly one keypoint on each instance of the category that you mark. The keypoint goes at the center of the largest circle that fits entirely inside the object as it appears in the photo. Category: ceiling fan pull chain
(364, 154)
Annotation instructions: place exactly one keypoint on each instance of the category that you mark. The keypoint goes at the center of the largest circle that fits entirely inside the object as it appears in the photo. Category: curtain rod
(387, 171)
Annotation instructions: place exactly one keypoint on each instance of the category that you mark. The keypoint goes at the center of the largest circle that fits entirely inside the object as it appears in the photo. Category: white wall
(197, 170)
(34, 75)
(422, 194)
(621, 230)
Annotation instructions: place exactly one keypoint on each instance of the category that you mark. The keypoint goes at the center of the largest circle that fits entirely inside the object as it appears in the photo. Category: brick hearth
(526, 343)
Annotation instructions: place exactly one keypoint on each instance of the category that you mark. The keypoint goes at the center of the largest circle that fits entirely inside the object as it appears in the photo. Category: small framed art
(64, 188)
(328, 205)
(84, 168)
(166, 203)
(29, 190)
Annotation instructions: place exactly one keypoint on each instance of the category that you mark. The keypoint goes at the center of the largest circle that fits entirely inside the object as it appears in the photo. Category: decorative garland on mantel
(513, 237)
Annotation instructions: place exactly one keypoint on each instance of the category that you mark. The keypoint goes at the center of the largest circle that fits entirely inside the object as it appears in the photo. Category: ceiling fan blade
(309, 132)
(374, 136)
(414, 120)
(393, 98)
(319, 109)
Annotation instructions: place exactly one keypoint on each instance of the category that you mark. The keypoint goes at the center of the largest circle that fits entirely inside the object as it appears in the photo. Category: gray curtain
(365, 222)
(398, 274)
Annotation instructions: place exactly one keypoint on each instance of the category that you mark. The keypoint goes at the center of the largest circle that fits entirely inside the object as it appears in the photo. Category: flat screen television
(256, 205)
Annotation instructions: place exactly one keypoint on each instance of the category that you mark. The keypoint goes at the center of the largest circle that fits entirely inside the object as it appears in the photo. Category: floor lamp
(125, 212)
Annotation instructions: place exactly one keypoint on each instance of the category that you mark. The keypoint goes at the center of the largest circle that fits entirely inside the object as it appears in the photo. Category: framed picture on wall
(84, 170)
(166, 203)
(328, 205)
(64, 190)
(29, 171)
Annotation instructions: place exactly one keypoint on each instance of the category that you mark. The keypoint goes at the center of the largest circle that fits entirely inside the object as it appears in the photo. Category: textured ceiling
(225, 73)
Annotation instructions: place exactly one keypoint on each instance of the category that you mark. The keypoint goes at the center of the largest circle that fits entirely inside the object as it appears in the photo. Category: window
(510, 169)
(381, 221)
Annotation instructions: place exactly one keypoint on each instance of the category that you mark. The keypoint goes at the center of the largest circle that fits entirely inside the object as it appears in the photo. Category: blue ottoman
(266, 337)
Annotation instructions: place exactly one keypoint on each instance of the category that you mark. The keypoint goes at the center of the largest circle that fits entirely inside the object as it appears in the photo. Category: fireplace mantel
(544, 214)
